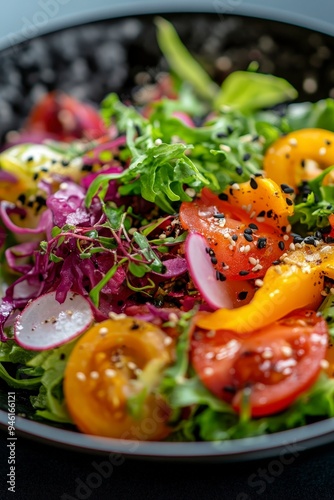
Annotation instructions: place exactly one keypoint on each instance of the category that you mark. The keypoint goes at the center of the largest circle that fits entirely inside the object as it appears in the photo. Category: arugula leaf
(314, 212)
(311, 115)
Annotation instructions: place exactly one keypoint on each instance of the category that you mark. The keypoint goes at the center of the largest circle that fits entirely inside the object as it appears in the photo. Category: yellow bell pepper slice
(287, 161)
(294, 284)
(263, 198)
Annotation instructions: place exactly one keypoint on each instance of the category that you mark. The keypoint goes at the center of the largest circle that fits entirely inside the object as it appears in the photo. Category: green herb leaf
(182, 62)
(247, 91)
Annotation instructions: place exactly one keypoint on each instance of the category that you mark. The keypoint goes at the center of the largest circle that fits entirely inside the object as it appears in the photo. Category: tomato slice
(276, 364)
(114, 361)
(241, 248)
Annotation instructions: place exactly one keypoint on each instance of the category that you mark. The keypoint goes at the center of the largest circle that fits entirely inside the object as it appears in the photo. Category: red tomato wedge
(240, 247)
(276, 364)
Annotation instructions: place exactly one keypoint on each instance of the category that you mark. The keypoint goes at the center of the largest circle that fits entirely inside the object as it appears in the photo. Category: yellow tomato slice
(115, 361)
(300, 155)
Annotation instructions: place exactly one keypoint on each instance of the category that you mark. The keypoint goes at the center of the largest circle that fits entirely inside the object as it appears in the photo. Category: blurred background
(22, 19)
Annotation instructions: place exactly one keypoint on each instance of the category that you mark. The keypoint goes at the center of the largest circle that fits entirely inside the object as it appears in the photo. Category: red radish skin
(46, 324)
(218, 294)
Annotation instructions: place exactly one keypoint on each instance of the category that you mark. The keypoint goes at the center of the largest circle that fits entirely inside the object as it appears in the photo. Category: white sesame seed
(242, 249)
(267, 354)
(293, 141)
(247, 248)
(224, 147)
(109, 372)
(324, 293)
(63, 186)
(324, 364)
(231, 247)
(210, 334)
(162, 236)
(190, 192)
(260, 219)
(173, 317)
(103, 331)
(235, 186)
(131, 365)
(252, 215)
(208, 370)
(287, 350)
(94, 375)
(158, 142)
(113, 315)
(331, 291)
(81, 376)
(292, 246)
(288, 228)
(258, 267)
(253, 261)
(258, 282)
(168, 341)
(210, 355)
(285, 237)
(322, 151)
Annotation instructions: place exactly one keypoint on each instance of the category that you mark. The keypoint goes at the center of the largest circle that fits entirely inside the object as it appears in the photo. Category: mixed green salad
(168, 265)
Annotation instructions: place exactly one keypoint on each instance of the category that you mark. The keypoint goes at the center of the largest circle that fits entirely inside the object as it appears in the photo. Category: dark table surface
(47, 472)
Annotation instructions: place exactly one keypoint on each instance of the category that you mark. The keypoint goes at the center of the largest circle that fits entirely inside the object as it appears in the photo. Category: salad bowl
(121, 55)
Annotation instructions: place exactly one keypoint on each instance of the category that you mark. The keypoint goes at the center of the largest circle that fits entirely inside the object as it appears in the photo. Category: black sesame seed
(253, 226)
(281, 245)
(87, 168)
(35, 176)
(230, 389)
(230, 129)
(222, 277)
(54, 161)
(214, 260)
(223, 196)
(248, 237)
(248, 230)
(261, 243)
(211, 252)
(243, 273)
(327, 142)
(270, 214)
(276, 262)
(253, 183)
(30, 204)
(221, 135)
(261, 214)
(235, 237)
(287, 189)
(44, 169)
(239, 170)
(283, 229)
(22, 198)
(242, 295)
(288, 201)
(207, 249)
(297, 239)
(302, 163)
(309, 240)
(30, 159)
(246, 156)
(219, 216)
(65, 163)
(258, 174)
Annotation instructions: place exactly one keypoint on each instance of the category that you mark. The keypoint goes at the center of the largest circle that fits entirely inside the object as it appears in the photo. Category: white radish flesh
(45, 323)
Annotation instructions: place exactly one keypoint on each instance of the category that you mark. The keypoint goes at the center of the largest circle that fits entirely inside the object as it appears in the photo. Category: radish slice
(45, 323)
(218, 294)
